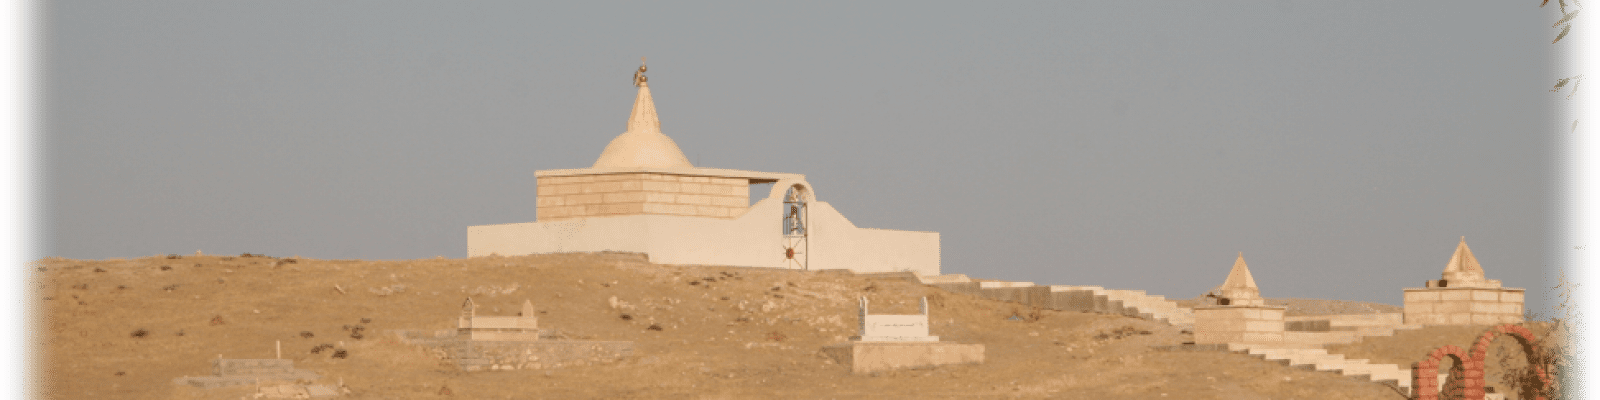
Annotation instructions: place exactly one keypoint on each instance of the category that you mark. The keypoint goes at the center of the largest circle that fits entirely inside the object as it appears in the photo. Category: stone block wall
(1238, 324)
(581, 196)
(1463, 306)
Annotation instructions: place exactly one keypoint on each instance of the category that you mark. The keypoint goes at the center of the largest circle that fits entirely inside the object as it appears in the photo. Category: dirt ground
(725, 333)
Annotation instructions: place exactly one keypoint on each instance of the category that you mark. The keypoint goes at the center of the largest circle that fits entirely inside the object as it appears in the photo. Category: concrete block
(872, 357)
(624, 197)
(1420, 307)
(1511, 296)
(1485, 295)
(659, 197)
(1262, 337)
(661, 187)
(692, 188)
(695, 199)
(1485, 319)
(1272, 314)
(622, 209)
(586, 199)
(1485, 307)
(568, 189)
(1263, 326)
(1421, 295)
(1458, 318)
(1454, 295)
(1448, 307)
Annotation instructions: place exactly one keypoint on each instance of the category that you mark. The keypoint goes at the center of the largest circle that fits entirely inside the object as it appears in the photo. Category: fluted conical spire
(642, 145)
(1240, 287)
(1463, 267)
(644, 118)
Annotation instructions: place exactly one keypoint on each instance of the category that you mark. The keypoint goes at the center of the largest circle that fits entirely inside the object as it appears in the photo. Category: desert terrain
(125, 328)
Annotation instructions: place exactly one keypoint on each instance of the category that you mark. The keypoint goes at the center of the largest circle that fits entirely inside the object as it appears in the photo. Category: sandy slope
(709, 347)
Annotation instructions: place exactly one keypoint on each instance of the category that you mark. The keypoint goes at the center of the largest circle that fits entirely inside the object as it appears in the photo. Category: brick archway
(1467, 377)
(1524, 337)
(1425, 375)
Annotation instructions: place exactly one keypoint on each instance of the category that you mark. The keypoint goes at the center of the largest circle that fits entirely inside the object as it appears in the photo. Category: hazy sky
(1344, 147)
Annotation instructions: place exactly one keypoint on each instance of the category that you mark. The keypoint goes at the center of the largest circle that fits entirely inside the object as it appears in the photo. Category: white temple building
(642, 195)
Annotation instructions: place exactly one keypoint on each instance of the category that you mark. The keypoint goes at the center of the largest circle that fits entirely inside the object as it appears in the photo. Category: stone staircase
(1318, 359)
(1133, 303)
(1303, 347)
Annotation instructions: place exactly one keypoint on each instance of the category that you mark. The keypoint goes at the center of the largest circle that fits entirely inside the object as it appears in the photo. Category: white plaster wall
(753, 239)
(589, 234)
(838, 244)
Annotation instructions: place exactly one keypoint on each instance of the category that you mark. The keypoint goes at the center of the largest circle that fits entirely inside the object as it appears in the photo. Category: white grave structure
(643, 196)
(894, 328)
(520, 328)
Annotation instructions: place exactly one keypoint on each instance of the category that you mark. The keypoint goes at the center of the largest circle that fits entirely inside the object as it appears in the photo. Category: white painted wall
(753, 239)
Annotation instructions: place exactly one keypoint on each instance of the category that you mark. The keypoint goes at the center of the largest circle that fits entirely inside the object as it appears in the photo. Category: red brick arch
(1425, 375)
(1467, 377)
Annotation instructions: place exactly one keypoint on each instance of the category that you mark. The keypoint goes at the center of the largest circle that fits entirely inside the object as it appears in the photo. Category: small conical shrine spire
(527, 308)
(1240, 286)
(1463, 267)
(642, 145)
(644, 118)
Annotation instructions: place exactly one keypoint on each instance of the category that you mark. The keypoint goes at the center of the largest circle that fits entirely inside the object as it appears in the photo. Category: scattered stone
(217, 320)
(654, 327)
(306, 334)
(366, 320)
(173, 257)
(98, 269)
(319, 348)
(120, 373)
(341, 353)
(444, 391)
(81, 286)
(170, 288)
(139, 333)
(166, 268)
(122, 287)
(180, 332)
(626, 317)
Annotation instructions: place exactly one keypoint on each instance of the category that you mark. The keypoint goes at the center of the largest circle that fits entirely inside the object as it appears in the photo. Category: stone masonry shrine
(642, 195)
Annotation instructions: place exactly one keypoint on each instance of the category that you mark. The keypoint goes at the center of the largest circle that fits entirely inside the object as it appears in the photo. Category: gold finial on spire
(638, 76)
